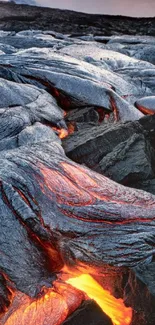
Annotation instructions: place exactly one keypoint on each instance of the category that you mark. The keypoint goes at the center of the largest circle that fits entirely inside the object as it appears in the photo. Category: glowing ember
(71, 127)
(63, 133)
(114, 308)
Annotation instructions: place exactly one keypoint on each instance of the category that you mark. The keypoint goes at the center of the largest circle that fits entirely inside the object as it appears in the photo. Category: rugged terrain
(21, 17)
(77, 171)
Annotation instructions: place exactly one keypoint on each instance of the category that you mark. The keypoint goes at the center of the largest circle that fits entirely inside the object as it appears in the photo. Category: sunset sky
(123, 7)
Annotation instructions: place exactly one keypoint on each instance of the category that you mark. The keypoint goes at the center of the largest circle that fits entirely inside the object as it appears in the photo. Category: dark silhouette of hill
(20, 17)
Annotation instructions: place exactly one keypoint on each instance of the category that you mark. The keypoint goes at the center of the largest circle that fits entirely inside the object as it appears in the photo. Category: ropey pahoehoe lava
(68, 233)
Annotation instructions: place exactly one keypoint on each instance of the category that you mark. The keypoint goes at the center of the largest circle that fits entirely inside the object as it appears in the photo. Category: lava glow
(145, 110)
(114, 308)
(71, 127)
(52, 308)
(55, 304)
(114, 109)
(62, 133)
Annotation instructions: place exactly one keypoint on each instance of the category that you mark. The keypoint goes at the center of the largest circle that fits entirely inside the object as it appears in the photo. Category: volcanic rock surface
(64, 203)
(89, 313)
(20, 17)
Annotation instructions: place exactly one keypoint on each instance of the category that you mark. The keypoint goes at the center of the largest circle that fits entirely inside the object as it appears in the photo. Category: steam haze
(136, 8)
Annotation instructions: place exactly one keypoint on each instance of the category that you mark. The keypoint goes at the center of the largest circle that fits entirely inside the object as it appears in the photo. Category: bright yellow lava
(114, 308)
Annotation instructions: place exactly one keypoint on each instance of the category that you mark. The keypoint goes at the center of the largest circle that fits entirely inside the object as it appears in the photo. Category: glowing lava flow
(63, 133)
(114, 308)
(52, 308)
(56, 304)
(145, 110)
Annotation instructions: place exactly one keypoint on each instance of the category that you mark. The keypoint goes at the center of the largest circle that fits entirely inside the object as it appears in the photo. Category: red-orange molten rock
(52, 308)
(62, 133)
(114, 308)
(56, 304)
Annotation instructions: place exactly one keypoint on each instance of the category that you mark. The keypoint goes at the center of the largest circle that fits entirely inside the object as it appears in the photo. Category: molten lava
(101, 113)
(56, 304)
(52, 308)
(145, 110)
(71, 127)
(114, 308)
(62, 133)
(114, 109)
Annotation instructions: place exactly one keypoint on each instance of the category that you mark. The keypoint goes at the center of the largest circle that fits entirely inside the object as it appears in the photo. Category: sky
(135, 8)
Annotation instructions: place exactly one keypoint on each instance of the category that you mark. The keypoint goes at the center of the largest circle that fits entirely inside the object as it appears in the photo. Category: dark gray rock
(85, 115)
(148, 185)
(20, 126)
(19, 17)
(105, 79)
(88, 313)
(91, 147)
(53, 210)
(22, 261)
(34, 200)
(5, 294)
(146, 54)
(148, 124)
(134, 293)
(130, 161)
(33, 103)
(75, 83)
(147, 272)
(36, 133)
(6, 49)
(30, 40)
(146, 105)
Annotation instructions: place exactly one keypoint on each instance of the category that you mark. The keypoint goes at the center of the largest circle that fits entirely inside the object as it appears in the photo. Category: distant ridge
(19, 17)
